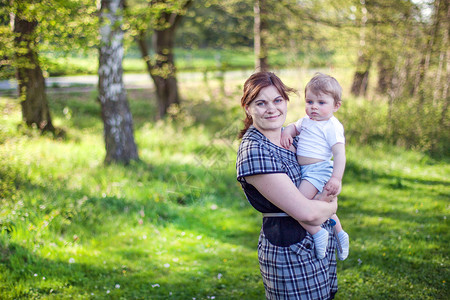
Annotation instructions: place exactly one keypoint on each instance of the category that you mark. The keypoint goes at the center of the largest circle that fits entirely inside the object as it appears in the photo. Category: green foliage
(425, 129)
(62, 26)
(176, 225)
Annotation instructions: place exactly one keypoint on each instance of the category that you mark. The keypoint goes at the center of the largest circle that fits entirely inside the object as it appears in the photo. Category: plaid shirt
(257, 155)
(286, 254)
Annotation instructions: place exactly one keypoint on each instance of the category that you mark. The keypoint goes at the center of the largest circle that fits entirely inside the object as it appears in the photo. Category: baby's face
(320, 107)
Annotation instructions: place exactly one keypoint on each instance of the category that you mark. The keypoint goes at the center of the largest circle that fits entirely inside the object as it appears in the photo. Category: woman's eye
(278, 100)
(260, 104)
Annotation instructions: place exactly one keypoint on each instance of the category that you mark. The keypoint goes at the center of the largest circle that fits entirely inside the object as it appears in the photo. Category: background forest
(123, 186)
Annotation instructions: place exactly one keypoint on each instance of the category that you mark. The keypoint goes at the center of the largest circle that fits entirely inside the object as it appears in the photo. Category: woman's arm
(281, 191)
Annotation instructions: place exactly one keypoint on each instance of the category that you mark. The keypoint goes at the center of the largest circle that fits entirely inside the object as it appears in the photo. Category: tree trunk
(31, 82)
(425, 61)
(116, 115)
(260, 28)
(162, 69)
(446, 65)
(385, 74)
(361, 77)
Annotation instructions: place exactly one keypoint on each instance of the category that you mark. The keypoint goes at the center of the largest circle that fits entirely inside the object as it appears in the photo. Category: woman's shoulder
(253, 139)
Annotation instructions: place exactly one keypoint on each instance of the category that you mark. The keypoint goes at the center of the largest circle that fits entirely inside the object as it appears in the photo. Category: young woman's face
(320, 107)
(268, 110)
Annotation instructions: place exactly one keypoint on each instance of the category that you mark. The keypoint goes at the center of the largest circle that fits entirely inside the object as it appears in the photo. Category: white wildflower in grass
(199, 237)
(108, 291)
(166, 265)
(71, 260)
(35, 275)
(219, 276)
(43, 278)
(117, 286)
(155, 285)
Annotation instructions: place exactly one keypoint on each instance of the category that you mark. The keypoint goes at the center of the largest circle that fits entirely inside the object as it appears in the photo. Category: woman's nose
(270, 106)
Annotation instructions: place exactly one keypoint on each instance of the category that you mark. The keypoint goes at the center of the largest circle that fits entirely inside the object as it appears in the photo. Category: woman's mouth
(272, 117)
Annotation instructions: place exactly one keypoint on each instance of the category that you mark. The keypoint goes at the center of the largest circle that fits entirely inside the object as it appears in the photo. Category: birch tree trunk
(116, 115)
(31, 82)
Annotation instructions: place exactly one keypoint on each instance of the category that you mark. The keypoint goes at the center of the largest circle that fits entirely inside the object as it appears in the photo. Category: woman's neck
(273, 136)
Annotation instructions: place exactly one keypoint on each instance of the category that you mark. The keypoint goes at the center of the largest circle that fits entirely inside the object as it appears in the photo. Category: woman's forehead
(268, 93)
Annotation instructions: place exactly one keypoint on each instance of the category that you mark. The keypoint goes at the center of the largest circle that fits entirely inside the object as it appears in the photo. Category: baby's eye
(321, 102)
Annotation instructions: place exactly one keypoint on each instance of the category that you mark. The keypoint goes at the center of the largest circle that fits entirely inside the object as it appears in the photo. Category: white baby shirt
(317, 137)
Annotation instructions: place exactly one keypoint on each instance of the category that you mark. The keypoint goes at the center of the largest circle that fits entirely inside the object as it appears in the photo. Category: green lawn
(198, 60)
(176, 224)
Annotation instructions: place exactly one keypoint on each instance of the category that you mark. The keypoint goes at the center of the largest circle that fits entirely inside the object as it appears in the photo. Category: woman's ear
(246, 110)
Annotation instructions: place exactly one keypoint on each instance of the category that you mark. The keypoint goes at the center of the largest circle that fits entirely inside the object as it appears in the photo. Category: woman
(269, 175)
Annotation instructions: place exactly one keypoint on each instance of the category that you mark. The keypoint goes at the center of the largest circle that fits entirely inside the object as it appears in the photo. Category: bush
(408, 123)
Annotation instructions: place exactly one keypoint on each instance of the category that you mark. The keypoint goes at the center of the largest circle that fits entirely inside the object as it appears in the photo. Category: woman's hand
(327, 198)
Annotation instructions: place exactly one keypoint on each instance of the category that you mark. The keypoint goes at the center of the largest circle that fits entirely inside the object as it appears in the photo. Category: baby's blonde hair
(322, 83)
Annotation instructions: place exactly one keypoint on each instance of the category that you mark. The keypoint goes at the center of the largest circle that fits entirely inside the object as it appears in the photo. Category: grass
(186, 60)
(176, 224)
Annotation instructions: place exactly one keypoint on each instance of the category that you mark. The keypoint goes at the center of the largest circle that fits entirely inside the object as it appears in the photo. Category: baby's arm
(287, 135)
(334, 184)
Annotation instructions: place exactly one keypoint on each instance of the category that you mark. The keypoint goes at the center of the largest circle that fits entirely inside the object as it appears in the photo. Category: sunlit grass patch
(176, 225)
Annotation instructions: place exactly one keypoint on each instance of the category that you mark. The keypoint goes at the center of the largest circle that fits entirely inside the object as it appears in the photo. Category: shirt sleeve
(255, 158)
(335, 133)
(298, 124)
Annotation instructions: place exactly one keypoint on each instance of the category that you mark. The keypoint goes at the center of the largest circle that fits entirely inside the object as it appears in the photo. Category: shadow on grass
(186, 207)
(357, 173)
(36, 277)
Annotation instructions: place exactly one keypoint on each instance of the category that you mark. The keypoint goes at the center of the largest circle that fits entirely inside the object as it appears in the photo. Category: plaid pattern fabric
(291, 272)
(257, 155)
(294, 272)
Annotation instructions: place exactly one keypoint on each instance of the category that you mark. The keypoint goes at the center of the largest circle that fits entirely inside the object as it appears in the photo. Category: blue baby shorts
(318, 174)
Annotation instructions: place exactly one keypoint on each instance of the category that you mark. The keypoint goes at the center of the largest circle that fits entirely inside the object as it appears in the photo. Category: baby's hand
(333, 186)
(286, 140)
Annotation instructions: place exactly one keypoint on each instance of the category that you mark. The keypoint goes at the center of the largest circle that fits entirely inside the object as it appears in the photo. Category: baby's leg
(343, 239)
(338, 225)
(307, 189)
(320, 235)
